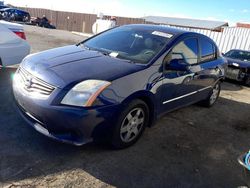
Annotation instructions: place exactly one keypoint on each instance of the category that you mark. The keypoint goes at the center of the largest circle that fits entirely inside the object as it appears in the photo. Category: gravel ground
(191, 147)
(43, 39)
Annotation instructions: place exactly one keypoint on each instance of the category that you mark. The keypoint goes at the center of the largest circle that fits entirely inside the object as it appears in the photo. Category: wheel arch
(149, 99)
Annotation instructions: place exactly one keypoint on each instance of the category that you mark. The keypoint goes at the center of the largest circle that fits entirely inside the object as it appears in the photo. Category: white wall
(230, 38)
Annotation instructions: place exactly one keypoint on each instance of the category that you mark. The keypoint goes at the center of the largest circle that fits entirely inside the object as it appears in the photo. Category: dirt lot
(43, 39)
(191, 147)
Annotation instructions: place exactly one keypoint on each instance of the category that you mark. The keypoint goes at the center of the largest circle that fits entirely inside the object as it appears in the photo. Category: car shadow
(191, 147)
(232, 85)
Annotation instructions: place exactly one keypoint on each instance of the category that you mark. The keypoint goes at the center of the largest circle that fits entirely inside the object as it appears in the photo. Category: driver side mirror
(177, 65)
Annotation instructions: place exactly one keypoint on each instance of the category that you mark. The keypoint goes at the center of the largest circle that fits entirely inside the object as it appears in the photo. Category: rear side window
(208, 51)
(186, 50)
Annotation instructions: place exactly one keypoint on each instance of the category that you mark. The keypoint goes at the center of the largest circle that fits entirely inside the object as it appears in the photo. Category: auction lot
(191, 147)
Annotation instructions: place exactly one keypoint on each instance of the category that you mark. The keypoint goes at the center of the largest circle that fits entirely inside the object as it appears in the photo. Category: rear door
(210, 65)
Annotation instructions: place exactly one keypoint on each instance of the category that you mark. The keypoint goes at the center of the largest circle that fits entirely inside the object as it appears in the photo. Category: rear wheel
(130, 124)
(247, 82)
(213, 96)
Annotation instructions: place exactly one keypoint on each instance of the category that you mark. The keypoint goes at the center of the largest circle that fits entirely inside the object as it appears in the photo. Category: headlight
(236, 64)
(85, 93)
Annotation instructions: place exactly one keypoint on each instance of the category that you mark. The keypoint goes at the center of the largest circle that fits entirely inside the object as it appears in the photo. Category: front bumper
(40, 127)
(236, 73)
(66, 124)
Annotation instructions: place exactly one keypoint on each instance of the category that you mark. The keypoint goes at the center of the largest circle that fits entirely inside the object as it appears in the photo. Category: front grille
(233, 67)
(34, 85)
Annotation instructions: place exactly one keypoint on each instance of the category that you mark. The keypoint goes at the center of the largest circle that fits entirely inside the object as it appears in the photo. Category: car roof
(239, 50)
(13, 9)
(169, 30)
(164, 29)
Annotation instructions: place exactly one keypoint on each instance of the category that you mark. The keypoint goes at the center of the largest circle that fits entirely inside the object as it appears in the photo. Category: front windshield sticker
(114, 54)
(166, 35)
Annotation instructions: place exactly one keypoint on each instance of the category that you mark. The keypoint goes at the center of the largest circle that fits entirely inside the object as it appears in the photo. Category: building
(244, 25)
(1, 3)
(187, 23)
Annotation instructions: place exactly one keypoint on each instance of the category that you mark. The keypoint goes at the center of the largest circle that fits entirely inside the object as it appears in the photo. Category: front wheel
(130, 124)
(26, 19)
(213, 96)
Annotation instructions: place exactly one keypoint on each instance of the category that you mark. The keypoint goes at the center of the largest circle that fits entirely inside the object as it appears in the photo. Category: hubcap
(215, 94)
(132, 125)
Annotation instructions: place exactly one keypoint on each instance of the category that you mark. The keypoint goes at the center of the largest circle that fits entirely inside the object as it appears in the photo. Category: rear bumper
(66, 124)
(21, 49)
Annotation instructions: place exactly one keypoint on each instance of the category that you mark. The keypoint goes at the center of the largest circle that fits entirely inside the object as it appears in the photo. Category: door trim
(189, 94)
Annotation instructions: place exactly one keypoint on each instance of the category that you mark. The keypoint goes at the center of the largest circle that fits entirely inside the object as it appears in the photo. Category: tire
(213, 96)
(25, 19)
(12, 17)
(130, 125)
(247, 82)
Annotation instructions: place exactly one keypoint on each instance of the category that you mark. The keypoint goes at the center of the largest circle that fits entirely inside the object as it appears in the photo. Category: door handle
(217, 68)
(196, 75)
(187, 80)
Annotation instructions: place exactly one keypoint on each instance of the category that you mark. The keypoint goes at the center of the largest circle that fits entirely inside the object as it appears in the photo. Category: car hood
(234, 62)
(66, 66)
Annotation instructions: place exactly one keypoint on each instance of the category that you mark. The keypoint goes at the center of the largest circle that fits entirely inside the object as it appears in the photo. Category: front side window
(186, 51)
(207, 50)
(136, 44)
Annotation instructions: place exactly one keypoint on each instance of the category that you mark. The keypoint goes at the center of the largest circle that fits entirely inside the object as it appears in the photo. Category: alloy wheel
(215, 94)
(132, 125)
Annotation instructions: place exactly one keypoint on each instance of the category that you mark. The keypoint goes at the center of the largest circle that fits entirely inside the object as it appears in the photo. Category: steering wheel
(149, 52)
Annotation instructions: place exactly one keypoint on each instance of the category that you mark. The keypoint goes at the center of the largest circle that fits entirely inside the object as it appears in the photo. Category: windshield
(130, 43)
(241, 55)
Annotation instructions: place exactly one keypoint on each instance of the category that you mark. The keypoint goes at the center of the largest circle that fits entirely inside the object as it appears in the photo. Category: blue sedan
(238, 65)
(13, 14)
(117, 83)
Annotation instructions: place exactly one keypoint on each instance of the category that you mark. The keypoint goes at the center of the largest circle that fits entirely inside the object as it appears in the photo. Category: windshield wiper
(107, 53)
(128, 60)
(83, 46)
(93, 49)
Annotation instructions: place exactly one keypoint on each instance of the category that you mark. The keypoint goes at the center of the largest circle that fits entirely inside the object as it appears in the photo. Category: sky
(231, 11)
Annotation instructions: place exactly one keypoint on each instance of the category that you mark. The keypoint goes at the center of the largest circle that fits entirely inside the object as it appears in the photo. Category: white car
(13, 44)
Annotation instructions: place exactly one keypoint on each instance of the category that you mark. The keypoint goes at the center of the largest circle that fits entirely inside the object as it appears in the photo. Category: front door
(180, 85)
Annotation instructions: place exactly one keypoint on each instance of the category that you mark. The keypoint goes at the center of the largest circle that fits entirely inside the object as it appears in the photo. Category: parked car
(42, 22)
(117, 83)
(13, 44)
(244, 161)
(238, 65)
(2, 7)
(13, 14)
